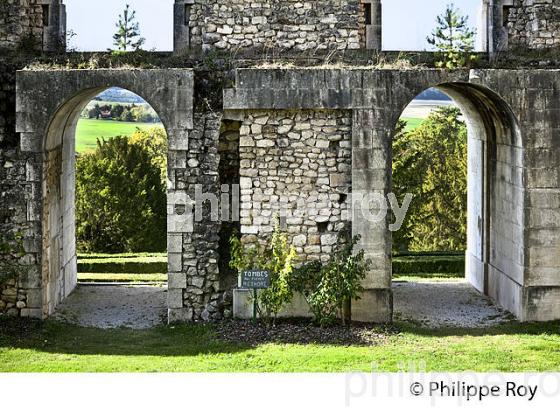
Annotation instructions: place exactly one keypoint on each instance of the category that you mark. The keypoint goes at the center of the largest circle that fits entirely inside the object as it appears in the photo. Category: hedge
(414, 264)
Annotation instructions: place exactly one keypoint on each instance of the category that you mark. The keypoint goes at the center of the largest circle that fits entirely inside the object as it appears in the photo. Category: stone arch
(495, 212)
(48, 107)
(501, 122)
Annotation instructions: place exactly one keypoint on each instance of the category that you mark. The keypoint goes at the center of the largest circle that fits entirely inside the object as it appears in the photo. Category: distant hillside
(119, 95)
(433, 94)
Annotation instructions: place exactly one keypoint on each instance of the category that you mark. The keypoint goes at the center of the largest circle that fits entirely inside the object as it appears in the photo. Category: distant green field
(412, 123)
(89, 131)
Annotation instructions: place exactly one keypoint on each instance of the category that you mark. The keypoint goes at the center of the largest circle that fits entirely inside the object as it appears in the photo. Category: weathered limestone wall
(32, 25)
(288, 25)
(533, 23)
(21, 24)
(296, 166)
(195, 288)
(535, 97)
(18, 238)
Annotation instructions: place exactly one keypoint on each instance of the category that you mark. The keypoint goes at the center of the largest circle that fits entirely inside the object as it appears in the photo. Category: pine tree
(127, 36)
(453, 38)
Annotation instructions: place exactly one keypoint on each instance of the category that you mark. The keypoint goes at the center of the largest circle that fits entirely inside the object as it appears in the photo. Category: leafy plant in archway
(278, 257)
(120, 199)
(430, 162)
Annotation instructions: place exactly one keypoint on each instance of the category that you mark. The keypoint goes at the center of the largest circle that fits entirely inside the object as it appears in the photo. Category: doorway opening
(104, 221)
(457, 151)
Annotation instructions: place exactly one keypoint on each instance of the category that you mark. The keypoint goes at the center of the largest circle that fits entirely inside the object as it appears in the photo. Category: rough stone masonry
(307, 134)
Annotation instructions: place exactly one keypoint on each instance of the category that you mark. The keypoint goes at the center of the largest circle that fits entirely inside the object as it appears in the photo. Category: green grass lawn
(90, 130)
(412, 123)
(57, 347)
(127, 267)
(121, 277)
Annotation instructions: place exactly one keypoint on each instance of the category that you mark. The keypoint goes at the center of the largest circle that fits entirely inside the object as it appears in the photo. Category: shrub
(414, 265)
(277, 257)
(330, 288)
(120, 199)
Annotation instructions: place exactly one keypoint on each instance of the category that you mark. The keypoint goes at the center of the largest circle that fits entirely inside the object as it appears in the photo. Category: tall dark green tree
(127, 37)
(430, 162)
(453, 39)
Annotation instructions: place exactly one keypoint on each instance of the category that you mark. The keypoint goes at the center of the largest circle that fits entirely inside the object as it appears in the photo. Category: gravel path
(431, 304)
(445, 304)
(137, 307)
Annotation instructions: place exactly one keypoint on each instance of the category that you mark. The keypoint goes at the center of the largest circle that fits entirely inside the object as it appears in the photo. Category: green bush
(330, 288)
(277, 257)
(120, 199)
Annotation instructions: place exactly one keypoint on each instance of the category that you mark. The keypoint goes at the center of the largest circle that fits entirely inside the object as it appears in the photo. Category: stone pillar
(373, 24)
(493, 25)
(181, 29)
(371, 173)
(54, 25)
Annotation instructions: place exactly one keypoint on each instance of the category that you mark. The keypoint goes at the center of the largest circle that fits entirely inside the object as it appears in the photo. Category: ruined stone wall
(195, 290)
(18, 240)
(533, 24)
(300, 161)
(21, 24)
(289, 24)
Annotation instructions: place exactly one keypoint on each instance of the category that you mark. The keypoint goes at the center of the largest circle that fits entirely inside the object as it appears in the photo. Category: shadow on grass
(511, 327)
(56, 337)
(201, 339)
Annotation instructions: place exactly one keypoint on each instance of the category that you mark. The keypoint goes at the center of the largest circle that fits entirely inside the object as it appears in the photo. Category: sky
(406, 23)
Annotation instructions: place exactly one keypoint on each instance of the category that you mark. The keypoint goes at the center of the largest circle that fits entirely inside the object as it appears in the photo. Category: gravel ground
(445, 304)
(430, 304)
(137, 307)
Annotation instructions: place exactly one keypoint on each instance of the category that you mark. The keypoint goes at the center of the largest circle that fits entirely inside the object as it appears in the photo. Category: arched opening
(469, 201)
(104, 203)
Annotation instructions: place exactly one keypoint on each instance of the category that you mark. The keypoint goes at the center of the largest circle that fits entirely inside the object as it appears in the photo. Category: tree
(154, 141)
(431, 163)
(120, 199)
(117, 111)
(128, 32)
(453, 39)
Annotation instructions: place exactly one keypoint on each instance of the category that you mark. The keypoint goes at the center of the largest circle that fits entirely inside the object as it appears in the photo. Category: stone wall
(289, 24)
(17, 235)
(21, 24)
(296, 165)
(533, 23)
(195, 289)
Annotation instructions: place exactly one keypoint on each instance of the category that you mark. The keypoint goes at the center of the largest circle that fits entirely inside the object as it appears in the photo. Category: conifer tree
(128, 37)
(454, 39)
